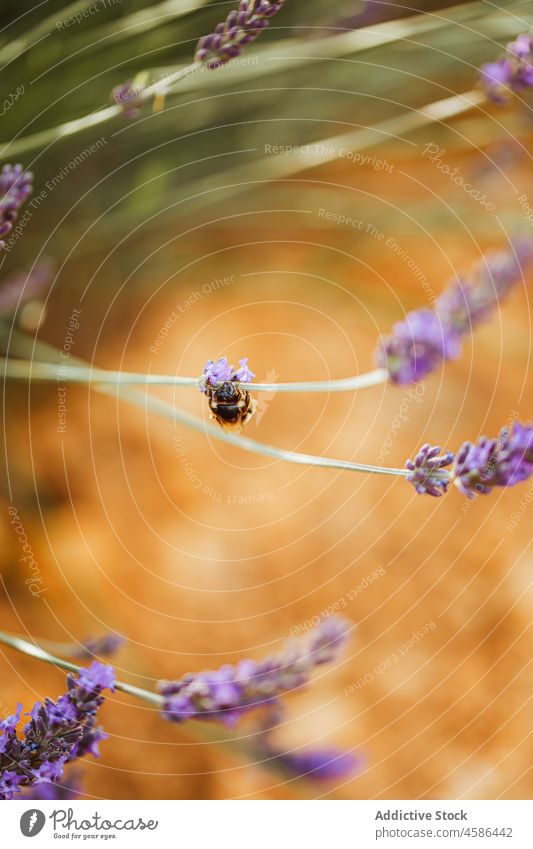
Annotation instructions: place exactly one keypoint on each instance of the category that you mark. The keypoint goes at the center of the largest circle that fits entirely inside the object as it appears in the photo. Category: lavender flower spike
(504, 461)
(467, 303)
(427, 471)
(316, 764)
(426, 337)
(416, 347)
(241, 27)
(16, 185)
(56, 733)
(225, 694)
(513, 72)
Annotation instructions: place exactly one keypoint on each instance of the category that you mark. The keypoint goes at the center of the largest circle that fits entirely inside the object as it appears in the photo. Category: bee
(230, 405)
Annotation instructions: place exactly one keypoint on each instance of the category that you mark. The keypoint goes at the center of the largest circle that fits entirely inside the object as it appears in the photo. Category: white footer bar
(269, 824)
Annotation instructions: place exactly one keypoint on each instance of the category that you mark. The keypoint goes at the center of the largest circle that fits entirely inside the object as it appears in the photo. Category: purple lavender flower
(16, 185)
(496, 78)
(316, 764)
(416, 346)
(128, 97)
(56, 733)
(227, 693)
(60, 792)
(427, 475)
(466, 303)
(241, 27)
(243, 374)
(504, 461)
(103, 646)
(216, 373)
(426, 337)
(513, 72)
(10, 782)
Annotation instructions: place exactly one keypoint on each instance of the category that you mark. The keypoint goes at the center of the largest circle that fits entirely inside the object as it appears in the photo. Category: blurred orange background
(201, 554)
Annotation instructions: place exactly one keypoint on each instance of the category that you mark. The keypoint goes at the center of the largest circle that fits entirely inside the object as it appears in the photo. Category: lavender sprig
(241, 27)
(465, 304)
(426, 470)
(477, 467)
(16, 185)
(269, 679)
(428, 337)
(227, 693)
(503, 461)
(416, 347)
(56, 733)
(512, 72)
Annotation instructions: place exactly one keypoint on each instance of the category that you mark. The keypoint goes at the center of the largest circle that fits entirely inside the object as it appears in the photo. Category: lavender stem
(21, 369)
(176, 414)
(33, 650)
(22, 343)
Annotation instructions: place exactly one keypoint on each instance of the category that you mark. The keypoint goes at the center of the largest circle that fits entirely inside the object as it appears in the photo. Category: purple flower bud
(426, 475)
(16, 185)
(243, 374)
(240, 28)
(522, 46)
(129, 98)
(512, 72)
(216, 373)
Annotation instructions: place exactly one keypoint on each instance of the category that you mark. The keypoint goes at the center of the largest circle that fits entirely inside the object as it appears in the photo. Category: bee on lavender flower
(229, 405)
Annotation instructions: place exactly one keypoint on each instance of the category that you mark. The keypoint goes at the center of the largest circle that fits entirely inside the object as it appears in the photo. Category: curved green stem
(25, 346)
(34, 650)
